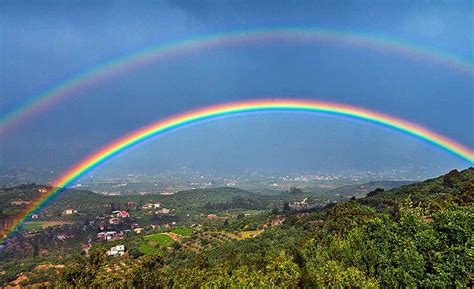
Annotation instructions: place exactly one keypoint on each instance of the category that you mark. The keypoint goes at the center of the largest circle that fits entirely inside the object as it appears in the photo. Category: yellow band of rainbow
(212, 112)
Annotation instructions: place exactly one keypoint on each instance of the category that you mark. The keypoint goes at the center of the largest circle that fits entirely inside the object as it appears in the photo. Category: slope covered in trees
(416, 235)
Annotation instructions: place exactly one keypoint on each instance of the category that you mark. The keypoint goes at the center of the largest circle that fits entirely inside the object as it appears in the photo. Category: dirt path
(175, 237)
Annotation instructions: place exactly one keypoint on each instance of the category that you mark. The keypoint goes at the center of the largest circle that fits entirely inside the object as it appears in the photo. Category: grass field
(183, 231)
(32, 226)
(148, 249)
(152, 243)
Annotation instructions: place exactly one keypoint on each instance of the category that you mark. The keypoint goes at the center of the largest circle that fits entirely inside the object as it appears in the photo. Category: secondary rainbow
(84, 79)
(236, 108)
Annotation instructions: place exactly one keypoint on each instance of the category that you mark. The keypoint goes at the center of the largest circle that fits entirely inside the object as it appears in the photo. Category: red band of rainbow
(208, 113)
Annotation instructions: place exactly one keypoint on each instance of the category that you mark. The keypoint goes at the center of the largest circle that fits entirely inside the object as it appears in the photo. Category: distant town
(258, 180)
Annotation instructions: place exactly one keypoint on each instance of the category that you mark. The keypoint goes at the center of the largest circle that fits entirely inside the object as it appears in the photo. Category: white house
(164, 211)
(118, 250)
(69, 212)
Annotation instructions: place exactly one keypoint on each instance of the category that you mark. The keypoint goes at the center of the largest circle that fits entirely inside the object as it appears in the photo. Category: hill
(455, 186)
(418, 235)
(360, 190)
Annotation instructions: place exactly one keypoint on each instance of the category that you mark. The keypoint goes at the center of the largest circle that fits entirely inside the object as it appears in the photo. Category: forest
(418, 235)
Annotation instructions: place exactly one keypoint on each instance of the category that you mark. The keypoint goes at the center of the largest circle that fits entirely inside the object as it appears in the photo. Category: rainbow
(237, 108)
(89, 77)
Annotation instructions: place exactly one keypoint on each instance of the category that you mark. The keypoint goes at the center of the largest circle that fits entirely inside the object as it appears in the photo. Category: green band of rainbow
(213, 112)
(128, 62)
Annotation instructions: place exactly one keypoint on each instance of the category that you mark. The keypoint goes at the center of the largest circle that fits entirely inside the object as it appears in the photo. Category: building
(212, 216)
(107, 236)
(64, 236)
(147, 206)
(19, 203)
(166, 193)
(114, 221)
(138, 230)
(123, 214)
(69, 212)
(163, 211)
(157, 204)
(131, 204)
(35, 216)
(304, 204)
(118, 250)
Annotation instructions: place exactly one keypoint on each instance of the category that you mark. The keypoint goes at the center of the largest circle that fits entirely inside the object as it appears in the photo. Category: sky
(44, 42)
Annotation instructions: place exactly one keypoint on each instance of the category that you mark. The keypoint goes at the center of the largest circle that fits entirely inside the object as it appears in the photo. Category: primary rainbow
(236, 108)
(86, 78)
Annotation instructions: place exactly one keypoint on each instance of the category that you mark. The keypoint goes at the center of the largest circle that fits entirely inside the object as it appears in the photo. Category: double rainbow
(237, 108)
(89, 77)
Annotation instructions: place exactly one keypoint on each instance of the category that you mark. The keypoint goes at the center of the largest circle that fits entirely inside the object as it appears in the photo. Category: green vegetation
(151, 243)
(32, 226)
(418, 235)
(183, 231)
(161, 239)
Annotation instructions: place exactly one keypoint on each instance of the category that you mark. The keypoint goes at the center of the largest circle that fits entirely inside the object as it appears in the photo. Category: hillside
(360, 190)
(454, 186)
(356, 243)
(415, 235)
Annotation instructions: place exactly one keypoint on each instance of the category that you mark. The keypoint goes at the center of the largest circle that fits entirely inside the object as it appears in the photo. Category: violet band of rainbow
(122, 64)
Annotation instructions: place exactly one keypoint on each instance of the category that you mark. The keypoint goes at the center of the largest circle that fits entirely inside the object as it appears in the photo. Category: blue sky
(46, 41)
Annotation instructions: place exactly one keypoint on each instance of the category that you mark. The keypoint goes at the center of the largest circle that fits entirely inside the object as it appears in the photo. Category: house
(212, 216)
(123, 214)
(305, 203)
(115, 213)
(163, 211)
(138, 230)
(42, 190)
(157, 204)
(19, 203)
(147, 206)
(166, 193)
(131, 204)
(110, 235)
(118, 250)
(64, 236)
(106, 235)
(69, 212)
(166, 225)
(114, 221)
(35, 216)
